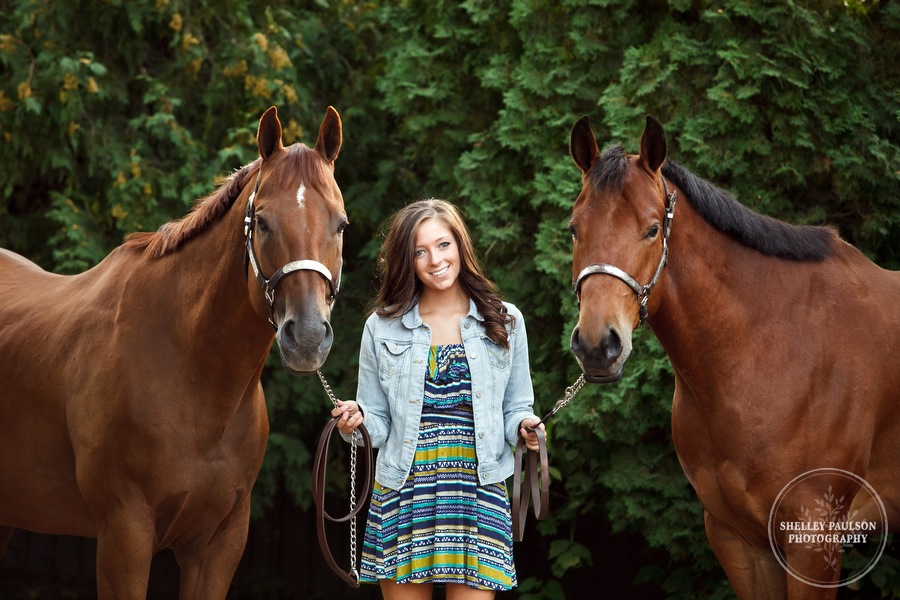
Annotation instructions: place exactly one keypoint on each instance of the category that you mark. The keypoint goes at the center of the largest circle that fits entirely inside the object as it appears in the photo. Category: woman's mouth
(440, 272)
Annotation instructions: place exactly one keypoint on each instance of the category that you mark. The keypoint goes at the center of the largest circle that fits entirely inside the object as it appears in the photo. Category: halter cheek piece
(641, 291)
(268, 285)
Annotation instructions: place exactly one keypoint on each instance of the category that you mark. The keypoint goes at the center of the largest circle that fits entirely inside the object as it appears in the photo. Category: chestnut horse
(784, 344)
(131, 408)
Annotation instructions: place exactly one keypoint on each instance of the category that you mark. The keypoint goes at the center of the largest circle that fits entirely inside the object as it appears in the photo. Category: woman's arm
(370, 397)
(518, 401)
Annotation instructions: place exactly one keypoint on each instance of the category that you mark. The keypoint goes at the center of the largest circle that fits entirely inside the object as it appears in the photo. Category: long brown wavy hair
(399, 288)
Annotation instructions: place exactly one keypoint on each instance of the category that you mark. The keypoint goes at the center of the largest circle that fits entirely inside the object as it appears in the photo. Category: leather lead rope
(320, 467)
(536, 485)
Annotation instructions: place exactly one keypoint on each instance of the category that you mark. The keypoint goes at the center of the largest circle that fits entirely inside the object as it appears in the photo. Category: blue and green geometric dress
(442, 526)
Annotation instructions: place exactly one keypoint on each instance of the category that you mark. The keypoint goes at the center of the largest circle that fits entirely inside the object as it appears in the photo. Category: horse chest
(717, 449)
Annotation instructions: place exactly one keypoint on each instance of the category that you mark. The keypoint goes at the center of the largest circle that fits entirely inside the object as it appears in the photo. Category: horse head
(619, 228)
(294, 226)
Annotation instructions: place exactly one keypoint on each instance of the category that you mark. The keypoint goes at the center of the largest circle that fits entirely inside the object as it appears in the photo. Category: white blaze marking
(301, 191)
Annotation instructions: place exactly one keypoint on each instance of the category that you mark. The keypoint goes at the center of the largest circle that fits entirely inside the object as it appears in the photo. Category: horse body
(134, 411)
(782, 351)
(766, 383)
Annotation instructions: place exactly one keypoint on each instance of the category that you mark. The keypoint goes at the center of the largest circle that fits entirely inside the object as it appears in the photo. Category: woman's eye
(419, 253)
(444, 245)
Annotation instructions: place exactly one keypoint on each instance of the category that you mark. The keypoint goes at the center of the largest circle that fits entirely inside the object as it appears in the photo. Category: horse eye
(342, 227)
(653, 231)
(572, 231)
(262, 225)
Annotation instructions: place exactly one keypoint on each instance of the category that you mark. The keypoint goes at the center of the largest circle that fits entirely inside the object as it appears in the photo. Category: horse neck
(210, 312)
(713, 289)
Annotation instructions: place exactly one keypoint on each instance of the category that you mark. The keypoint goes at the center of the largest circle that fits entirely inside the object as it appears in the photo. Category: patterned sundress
(442, 526)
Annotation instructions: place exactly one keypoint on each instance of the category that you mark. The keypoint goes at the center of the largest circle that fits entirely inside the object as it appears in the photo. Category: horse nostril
(287, 329)
(613, 344)
(575, 342)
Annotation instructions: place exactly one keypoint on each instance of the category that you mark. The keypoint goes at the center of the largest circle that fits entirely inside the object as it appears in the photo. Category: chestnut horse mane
(172, 235)
(721, 210)
(306, 165)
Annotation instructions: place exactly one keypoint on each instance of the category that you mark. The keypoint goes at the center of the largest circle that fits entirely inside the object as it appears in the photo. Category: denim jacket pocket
(393, 356)
(498, 357)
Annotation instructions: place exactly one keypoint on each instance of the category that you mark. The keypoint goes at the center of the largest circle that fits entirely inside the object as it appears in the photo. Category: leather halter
(641, 291)
(269, 284)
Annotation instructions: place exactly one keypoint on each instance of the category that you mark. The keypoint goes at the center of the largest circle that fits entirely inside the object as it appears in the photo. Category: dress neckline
(440, 359)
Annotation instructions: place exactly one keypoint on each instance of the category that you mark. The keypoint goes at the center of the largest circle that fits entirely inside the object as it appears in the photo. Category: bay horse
(131, 408)
(784, 344)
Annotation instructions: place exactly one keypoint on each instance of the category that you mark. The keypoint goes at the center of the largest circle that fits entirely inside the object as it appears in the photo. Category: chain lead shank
(570, 393)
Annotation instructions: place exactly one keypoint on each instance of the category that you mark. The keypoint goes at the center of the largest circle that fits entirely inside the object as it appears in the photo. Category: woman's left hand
(530, 437)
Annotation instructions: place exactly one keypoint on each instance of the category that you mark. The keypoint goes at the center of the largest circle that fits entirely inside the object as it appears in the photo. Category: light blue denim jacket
(393, 360)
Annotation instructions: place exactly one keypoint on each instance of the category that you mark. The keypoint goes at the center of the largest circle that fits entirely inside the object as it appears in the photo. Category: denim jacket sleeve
(370, 395)
(518, 399)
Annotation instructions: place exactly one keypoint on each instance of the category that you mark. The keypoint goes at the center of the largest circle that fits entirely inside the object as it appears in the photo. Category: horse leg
(207, 570)
(752, 573)
(124, 553)
(806, 562)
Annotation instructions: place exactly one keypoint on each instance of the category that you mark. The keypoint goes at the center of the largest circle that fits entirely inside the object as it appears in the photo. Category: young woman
(444, 391)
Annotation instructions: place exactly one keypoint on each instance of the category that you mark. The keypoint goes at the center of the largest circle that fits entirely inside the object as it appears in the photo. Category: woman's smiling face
(436, 256)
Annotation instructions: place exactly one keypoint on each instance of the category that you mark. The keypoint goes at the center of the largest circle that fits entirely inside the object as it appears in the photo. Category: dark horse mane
(721, 210)
(171, 236)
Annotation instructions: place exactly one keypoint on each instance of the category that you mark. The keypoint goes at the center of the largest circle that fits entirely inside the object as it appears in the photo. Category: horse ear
(583, 145)
(330, 137)
(268, 137)
(653, 145)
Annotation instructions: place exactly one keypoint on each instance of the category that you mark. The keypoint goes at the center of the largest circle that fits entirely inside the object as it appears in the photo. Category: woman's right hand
(350, 417)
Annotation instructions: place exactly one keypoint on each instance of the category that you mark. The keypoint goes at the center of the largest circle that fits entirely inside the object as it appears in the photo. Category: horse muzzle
(602, 360)
(304, 345)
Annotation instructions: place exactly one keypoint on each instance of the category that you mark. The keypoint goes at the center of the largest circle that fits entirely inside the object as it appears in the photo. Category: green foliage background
(115, 115)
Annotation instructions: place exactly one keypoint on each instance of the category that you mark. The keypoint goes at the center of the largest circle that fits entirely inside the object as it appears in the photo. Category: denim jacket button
(466, 325)
(481, 435)
(474, 355)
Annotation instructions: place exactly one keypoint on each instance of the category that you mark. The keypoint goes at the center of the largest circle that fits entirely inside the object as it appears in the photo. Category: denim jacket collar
(412, 320)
